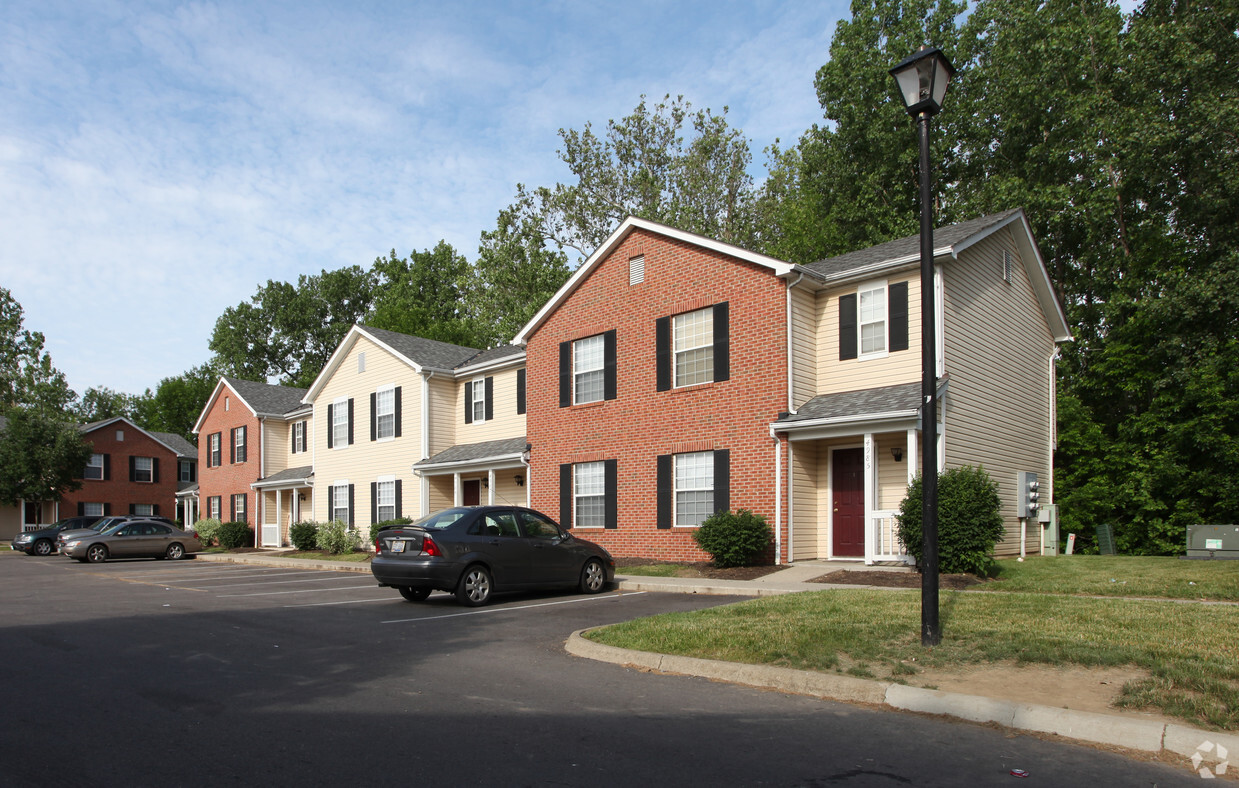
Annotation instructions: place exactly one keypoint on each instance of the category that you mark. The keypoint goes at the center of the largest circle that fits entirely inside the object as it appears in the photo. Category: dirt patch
(895, 579)
(703, 569)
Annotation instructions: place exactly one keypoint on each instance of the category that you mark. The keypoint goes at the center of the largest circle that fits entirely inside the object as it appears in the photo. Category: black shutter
(399, 494)
(608, 365)
(565, 495)
(193, 471)
(520, 391)
(898, 309)
(351, 441)
(722, 480)
(133, 469)
(662, 354)
(665, 490)
(330, 424)
(490, 398)
(847, 327)
(374, 416)
(107, 467)
(305, 432)
(232, 445)
(81, 509)
(331, 502)
(107, 510)
(133, 508)
(565, 374)
(351, 519)
(722, 342)
(398, 411)
(468, 403)
(374, 500)
(611, 501)
(154, 470)
(154, 508)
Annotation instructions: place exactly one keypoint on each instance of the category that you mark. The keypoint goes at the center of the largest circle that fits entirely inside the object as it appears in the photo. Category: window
(480, 400)
(94, 467)
(385, 500)
(694, 487)
(538, 527)
(478, 404)
(213, 506)
(298, 437)
(143, 509)
(339, 497)
(384, 414)
(227, 403)
(873, 320)
(185, 471)
(589, 495)
(339, 423)
(213, 450)
(237, 450)
(693, 347)
(238, 508)
(142, 469)
(587, 369)
(92, 509)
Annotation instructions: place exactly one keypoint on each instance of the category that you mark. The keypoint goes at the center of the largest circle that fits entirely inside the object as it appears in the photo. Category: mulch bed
(703, 569)
(895, 579)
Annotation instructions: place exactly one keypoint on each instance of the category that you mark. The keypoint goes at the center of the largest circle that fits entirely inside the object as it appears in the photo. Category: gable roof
(173, 443)
(262, 399)
(626, 228)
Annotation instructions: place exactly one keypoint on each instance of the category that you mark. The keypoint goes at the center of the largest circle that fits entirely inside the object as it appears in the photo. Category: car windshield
(440, 520)
(106, 522)
(114, 528)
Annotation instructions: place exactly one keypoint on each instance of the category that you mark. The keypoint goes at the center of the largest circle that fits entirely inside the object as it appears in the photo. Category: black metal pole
(931, 631)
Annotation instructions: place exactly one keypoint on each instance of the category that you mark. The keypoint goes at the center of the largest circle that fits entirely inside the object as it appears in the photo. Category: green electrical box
(1047, 516)
(1213, 541)
(1105, 539)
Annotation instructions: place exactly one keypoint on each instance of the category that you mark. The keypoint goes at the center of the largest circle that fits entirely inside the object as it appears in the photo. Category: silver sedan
(132, 539)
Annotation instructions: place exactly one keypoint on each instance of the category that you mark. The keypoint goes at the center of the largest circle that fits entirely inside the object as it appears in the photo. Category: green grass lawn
(357, 556)
(1118, 575)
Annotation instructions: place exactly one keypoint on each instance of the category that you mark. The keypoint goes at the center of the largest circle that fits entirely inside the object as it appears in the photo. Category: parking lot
(196, 673)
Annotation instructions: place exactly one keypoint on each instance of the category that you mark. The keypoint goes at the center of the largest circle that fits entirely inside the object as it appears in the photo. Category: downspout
(778, 500)
(260, 511)
(423, 505)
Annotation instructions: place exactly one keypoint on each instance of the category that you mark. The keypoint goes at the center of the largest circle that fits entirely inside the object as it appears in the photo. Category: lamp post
(922, 78)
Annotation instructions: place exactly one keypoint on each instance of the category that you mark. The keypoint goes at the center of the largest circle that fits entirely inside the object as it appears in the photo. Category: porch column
(279, 515)
(870, 481)
(456, 494)
(490, 487)
(912, 455)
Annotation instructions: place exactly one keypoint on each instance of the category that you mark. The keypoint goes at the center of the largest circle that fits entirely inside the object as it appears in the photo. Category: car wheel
(475, 586)
(175, 551)
(43, 547)
(96, 554)
(414, 594)
(593, 578)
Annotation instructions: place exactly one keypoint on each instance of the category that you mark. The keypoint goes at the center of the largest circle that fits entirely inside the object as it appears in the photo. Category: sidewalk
(1117, 729)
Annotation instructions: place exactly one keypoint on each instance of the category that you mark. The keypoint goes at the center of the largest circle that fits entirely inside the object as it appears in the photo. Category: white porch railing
(884, 539)
(270, 535)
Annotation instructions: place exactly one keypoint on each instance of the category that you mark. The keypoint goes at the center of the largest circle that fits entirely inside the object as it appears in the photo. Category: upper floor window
(238, 453)
(587, 369)
(873, 320)
(143, 469)
(693, 347)
(385, 413)
(480, 400)
(213, 450)
(339, 423)
(185, 471)
(120, 436)
(298, 436)
(94, 467)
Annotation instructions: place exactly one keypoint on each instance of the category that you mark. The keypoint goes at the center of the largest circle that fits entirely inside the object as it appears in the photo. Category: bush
(304, 536)
(207, 529)
(335, 537)
(734, 539)
(374, 529)
(233, 535)
(969, 520)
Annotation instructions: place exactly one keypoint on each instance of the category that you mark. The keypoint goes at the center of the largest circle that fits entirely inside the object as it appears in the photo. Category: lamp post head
(922, 78)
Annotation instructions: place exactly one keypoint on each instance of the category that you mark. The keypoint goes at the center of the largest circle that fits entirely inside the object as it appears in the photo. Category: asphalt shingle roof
(470, 452)
(421, 351)
(493, 354)
(182, 447)
(265, 397)
(848, 404)
(905, 247)
(291, 474)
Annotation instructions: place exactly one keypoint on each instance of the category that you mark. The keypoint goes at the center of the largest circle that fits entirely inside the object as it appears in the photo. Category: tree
(40, 457)
(288, 331)
(422, 295)
(177, 402)
(643, 166)
(99, 402)
(27, 377)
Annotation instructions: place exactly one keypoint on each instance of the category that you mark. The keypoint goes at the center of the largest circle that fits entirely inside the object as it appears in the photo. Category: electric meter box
(1213, 541)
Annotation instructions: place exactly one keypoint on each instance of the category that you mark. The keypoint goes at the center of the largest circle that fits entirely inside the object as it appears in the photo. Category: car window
(538, 527)
(440, 520)
(500, 524)
(163, 530)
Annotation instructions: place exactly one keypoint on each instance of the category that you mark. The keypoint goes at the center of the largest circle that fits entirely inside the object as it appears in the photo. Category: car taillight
(378, 545)
(429, 547)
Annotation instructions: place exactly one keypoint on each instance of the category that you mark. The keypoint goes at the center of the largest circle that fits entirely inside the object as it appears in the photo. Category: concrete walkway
(1112, 729)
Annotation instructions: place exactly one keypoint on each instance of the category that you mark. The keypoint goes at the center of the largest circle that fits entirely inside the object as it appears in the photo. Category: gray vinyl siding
(997, 351)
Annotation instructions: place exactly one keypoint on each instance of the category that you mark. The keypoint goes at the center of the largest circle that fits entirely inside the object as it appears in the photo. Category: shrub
(304, 536)
(969, 520)
(335, 537)
(207, 529)
(233, 535)
(374, 529)
(734, 539)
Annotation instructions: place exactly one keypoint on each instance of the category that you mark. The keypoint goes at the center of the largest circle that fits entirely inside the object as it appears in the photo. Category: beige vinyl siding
(892, 476)
(998, 406)
(803, 347)
(506, 491)
(442, 492)
(805, 501)
(903, 366)
(276, 447)
(364, 460)
(506, 422)
(443, 414)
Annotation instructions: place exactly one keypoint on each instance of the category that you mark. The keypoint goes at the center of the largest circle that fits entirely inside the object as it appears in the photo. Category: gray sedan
(132, 539)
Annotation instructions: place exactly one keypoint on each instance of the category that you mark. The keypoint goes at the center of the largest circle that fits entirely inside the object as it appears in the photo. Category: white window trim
(150, 469)
(378, 492)
(337, 407)
(92, 509)
(379, 437)
(479, 399)
(298, 438)
(675, 487)
(337, 486)
(866, 287)
(150, 509)
(601, 368)
(238, 443)
(244, 498)
(214, 444)
(183, 471)
(675, 354)
(577, 496)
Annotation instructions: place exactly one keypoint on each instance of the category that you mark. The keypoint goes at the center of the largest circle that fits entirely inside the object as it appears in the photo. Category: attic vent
(361, 361)
(1007, 262)
(636, 270)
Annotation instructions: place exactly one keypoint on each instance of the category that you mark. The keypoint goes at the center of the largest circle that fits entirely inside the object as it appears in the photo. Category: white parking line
(303, 591)
(505, 609)
(276, 582)
(226, 572)
(348, 601)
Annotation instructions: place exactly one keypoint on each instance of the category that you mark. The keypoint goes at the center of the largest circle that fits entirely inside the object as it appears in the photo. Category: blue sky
(159, 161)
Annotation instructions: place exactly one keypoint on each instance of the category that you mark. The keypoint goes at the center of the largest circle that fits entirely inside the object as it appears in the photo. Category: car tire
(593, 577)
(175, 552)
(413, 594)
(43, 547)
(96, 554)
(475, 586)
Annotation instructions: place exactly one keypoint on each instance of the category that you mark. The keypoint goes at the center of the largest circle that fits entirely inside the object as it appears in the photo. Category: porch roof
(289, 477)
(849, 412)
(505, 450)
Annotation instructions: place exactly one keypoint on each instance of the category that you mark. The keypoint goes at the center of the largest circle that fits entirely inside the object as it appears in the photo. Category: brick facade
(642, 423)
(119, 441)
(232, 476)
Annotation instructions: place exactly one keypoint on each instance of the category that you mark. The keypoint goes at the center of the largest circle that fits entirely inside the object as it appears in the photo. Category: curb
(259, 559)
(1145, 735)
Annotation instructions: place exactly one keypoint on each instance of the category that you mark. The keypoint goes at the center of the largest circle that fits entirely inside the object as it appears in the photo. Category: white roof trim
(337, 358)
(496, 462)
(211, 401)
(779, 267)
(490, 366)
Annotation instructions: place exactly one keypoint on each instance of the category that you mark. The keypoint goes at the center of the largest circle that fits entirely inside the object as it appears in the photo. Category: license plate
(398, 547)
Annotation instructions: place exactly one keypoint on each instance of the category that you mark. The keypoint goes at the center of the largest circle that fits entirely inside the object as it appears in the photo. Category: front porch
(282, 498)
(475, 474)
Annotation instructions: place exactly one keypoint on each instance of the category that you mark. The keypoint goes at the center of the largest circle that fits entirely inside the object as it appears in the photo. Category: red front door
(847, 484)
(471, 492)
